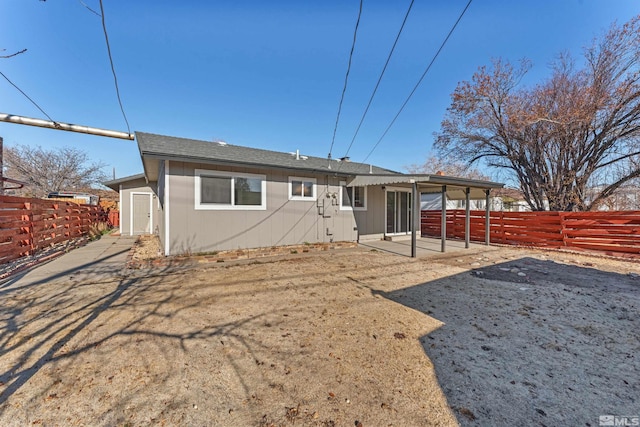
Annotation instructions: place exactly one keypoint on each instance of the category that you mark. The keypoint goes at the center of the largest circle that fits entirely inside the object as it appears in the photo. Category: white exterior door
(141, 213)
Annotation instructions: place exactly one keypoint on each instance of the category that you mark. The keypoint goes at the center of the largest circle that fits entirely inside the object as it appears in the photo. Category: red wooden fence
(29, 225)
(114, 218)
(613, 232)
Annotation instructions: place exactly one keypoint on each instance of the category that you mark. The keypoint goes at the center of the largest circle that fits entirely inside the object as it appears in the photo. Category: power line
(27, 96)
(85, 5)
(419, 81)
(113, 70)
(13, 54)
(20, 90)
(366, 110)
(346, 78)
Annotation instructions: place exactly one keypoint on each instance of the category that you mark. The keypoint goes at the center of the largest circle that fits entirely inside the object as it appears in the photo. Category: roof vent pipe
(370, 168)
(297, 154)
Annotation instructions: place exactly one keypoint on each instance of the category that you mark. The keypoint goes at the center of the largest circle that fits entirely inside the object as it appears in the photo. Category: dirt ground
(492, 337)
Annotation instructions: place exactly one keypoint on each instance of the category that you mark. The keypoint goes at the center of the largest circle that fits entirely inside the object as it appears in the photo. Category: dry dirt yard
(349, 337)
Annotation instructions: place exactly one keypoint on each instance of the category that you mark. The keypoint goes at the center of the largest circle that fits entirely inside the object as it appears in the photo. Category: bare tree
(435, 164)
(575, 132)
(45, 171)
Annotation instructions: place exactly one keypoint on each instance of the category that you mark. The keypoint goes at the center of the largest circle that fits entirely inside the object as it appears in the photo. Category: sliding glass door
(398, 212)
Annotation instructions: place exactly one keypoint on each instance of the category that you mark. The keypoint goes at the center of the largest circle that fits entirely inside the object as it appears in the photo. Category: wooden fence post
(563, 231)
(28, 228)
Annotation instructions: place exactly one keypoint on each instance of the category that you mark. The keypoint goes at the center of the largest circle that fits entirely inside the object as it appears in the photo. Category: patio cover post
(487, 220)
(443, 220)
(467, 221)
(415, 217)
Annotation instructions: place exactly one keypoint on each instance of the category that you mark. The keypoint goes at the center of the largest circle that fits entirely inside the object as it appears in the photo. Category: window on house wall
(228, 191)
(353, 197)
(302, 188)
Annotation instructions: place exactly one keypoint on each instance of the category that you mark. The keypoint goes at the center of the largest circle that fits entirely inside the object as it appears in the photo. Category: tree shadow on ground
(130, 346)
(44, 329)
(531, 342)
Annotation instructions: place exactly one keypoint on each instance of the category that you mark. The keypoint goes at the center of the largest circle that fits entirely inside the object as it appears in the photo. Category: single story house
(201, 196)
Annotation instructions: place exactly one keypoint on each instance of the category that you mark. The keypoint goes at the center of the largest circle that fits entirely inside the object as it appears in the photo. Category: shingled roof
(156, 147)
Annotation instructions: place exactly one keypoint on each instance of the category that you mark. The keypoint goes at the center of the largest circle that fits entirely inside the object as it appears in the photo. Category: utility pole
(21, 120)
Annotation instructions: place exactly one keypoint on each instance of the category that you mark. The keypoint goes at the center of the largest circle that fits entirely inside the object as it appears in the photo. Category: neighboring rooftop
(156, 147)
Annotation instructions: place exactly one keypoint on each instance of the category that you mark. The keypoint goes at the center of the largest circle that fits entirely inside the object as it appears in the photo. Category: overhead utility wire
(366, 110)
(346, 78)
(85, 5)
(27, 96)
(419, 81)
(13, 54)
(113, 70)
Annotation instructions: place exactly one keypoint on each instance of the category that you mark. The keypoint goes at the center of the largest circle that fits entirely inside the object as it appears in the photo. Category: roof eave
(114, 184)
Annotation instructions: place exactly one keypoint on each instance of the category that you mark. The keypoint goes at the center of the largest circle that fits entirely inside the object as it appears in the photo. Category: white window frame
(228, 207)
(352, 208)
(313, 197)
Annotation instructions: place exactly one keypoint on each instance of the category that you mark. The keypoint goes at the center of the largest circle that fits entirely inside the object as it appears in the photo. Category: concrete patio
(425, 246)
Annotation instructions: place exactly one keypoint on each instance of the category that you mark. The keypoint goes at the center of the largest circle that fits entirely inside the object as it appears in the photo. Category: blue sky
(269, 74)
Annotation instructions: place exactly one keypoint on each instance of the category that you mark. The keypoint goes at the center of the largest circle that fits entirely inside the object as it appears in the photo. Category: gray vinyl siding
(137, 186)
(284, 222)
(371, 221)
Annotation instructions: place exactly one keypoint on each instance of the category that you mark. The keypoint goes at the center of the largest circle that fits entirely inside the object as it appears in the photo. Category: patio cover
(430, 184)
(452, 188)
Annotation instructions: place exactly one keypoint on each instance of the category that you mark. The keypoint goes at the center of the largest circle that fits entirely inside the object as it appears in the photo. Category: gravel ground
(498, 337)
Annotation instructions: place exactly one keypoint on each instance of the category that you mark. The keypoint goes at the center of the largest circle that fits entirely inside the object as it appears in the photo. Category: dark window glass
(346, 196)
(308, 189)
(215, 190)
(358, 197)
(296, 188)
(248, 191)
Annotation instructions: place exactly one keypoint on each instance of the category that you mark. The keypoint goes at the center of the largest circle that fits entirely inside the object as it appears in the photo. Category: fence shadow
(531, 342)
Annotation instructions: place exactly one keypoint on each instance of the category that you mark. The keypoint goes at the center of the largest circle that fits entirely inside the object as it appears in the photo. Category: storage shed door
(141, 214)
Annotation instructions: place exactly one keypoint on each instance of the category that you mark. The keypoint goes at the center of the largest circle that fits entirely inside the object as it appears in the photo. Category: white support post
(443, 220)
(487, 219)
(415, 218)
(467, 220)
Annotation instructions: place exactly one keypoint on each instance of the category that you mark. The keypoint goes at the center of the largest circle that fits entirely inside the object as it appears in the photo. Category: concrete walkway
(101, 258)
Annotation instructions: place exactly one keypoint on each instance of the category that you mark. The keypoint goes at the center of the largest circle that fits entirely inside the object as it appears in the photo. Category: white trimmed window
(217, 190)
(302, 188)
(353, 197)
